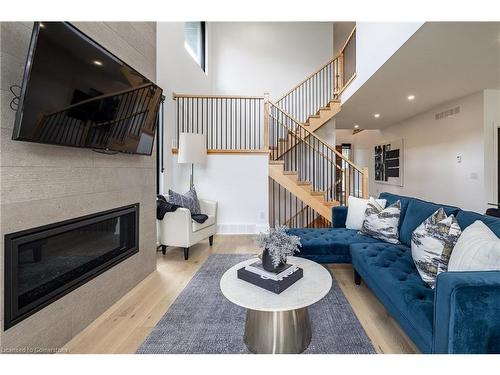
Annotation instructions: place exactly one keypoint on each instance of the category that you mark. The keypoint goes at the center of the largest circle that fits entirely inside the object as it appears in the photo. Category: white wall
(431, 147)
(250, 58)
(176, 72)
(239, 183)
(341, 32)
(243, 59)
(376, 42)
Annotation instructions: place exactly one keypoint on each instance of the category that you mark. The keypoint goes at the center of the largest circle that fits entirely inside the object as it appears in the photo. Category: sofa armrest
(208, 207)
(339, 216)
(175, 228)
(467, 312)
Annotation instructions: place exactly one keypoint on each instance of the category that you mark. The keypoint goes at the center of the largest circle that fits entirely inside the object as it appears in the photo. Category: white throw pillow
(477, 249)
(356, 211)
(432, 244)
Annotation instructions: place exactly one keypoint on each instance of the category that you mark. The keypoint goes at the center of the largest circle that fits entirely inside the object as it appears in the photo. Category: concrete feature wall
(431, 170)
(42, 184)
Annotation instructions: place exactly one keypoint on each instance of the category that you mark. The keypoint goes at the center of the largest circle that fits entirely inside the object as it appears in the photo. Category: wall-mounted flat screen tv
(76, 93)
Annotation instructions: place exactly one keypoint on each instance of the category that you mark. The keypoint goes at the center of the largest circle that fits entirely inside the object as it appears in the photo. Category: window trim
(203, 47)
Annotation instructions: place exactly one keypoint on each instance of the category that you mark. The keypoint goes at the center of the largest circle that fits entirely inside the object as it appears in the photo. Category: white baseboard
(241, 228)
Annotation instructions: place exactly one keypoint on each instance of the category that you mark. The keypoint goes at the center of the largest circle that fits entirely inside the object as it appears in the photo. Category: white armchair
(178, 229)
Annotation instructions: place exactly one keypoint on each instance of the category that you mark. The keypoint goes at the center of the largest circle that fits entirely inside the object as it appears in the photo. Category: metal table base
(277, 332)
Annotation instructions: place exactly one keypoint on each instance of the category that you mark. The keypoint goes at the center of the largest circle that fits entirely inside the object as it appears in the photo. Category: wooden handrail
(311, 146)
(347, 84)
(307, 78)
(200, 96)
(347, 40)
(121, 92)
(318, 138)
(211, 151)
(321, 67)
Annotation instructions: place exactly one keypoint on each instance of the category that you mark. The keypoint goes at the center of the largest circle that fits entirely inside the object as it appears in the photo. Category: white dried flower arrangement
(279, 244)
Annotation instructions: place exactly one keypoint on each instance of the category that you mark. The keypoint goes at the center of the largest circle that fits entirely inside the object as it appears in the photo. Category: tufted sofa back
(413, 212)
(466, 218)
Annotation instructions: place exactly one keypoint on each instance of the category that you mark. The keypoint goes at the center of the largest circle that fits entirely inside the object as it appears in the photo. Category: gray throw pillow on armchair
(188, 200)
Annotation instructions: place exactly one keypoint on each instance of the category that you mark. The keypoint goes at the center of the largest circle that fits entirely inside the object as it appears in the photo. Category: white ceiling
(442, 61)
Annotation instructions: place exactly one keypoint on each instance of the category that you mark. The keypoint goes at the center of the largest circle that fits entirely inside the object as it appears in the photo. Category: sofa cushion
(390, 273)
(339, 216)
(416, 213)
(393, 198)
(210, 221)
(328, 245)
(466, 218)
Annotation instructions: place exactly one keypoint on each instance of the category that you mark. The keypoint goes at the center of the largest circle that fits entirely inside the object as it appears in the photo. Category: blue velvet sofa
(461, 315)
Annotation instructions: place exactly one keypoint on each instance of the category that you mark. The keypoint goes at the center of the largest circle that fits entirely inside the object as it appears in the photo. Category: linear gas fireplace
(45, 263)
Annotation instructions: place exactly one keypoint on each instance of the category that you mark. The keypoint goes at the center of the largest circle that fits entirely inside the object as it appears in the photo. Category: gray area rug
(201, 320)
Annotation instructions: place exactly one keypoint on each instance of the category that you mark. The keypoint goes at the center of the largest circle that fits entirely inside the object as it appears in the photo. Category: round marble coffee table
(278, 323)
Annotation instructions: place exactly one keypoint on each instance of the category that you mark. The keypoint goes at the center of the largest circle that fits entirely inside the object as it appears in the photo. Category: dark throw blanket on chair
(163, 206)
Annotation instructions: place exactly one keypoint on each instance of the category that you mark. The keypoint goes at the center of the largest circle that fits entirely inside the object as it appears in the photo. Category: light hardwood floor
(126, 324)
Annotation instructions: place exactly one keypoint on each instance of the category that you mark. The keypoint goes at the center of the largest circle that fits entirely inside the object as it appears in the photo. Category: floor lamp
(192, 150)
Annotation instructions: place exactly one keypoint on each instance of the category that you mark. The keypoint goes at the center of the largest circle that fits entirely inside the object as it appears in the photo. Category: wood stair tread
(317, 193)
(276, 162)
(332, 203)
(301, 191)
(290, 173)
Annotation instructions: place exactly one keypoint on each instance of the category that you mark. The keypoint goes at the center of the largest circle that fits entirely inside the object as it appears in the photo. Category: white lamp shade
(192, 148)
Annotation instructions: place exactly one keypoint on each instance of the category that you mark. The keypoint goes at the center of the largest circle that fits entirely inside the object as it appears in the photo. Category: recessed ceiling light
(376, 115)
(356, 126)
(97, 62)
(411, 97)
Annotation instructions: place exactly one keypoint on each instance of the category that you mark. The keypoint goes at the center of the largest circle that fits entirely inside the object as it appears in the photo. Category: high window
(195, 42)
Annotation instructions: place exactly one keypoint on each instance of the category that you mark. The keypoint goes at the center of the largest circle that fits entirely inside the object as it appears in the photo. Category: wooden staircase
(307, 176)
(301, 189)
(307, 167)
(302, 163)
(323, 115)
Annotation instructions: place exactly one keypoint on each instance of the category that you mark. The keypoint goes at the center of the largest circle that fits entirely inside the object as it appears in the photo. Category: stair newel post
(365, 183)
(266, 121)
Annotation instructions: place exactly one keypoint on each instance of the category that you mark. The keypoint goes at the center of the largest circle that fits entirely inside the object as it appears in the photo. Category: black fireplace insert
(45, 263)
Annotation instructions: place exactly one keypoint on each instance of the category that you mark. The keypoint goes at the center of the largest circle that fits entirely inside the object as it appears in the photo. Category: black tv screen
(76, 93)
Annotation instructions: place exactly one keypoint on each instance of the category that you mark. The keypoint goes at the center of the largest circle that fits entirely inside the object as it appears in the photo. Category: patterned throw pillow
(188, 200)
(381, 223)
(192, 194)
(432, 243)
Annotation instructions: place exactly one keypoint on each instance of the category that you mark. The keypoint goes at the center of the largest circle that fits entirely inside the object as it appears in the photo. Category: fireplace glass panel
(42, 265)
